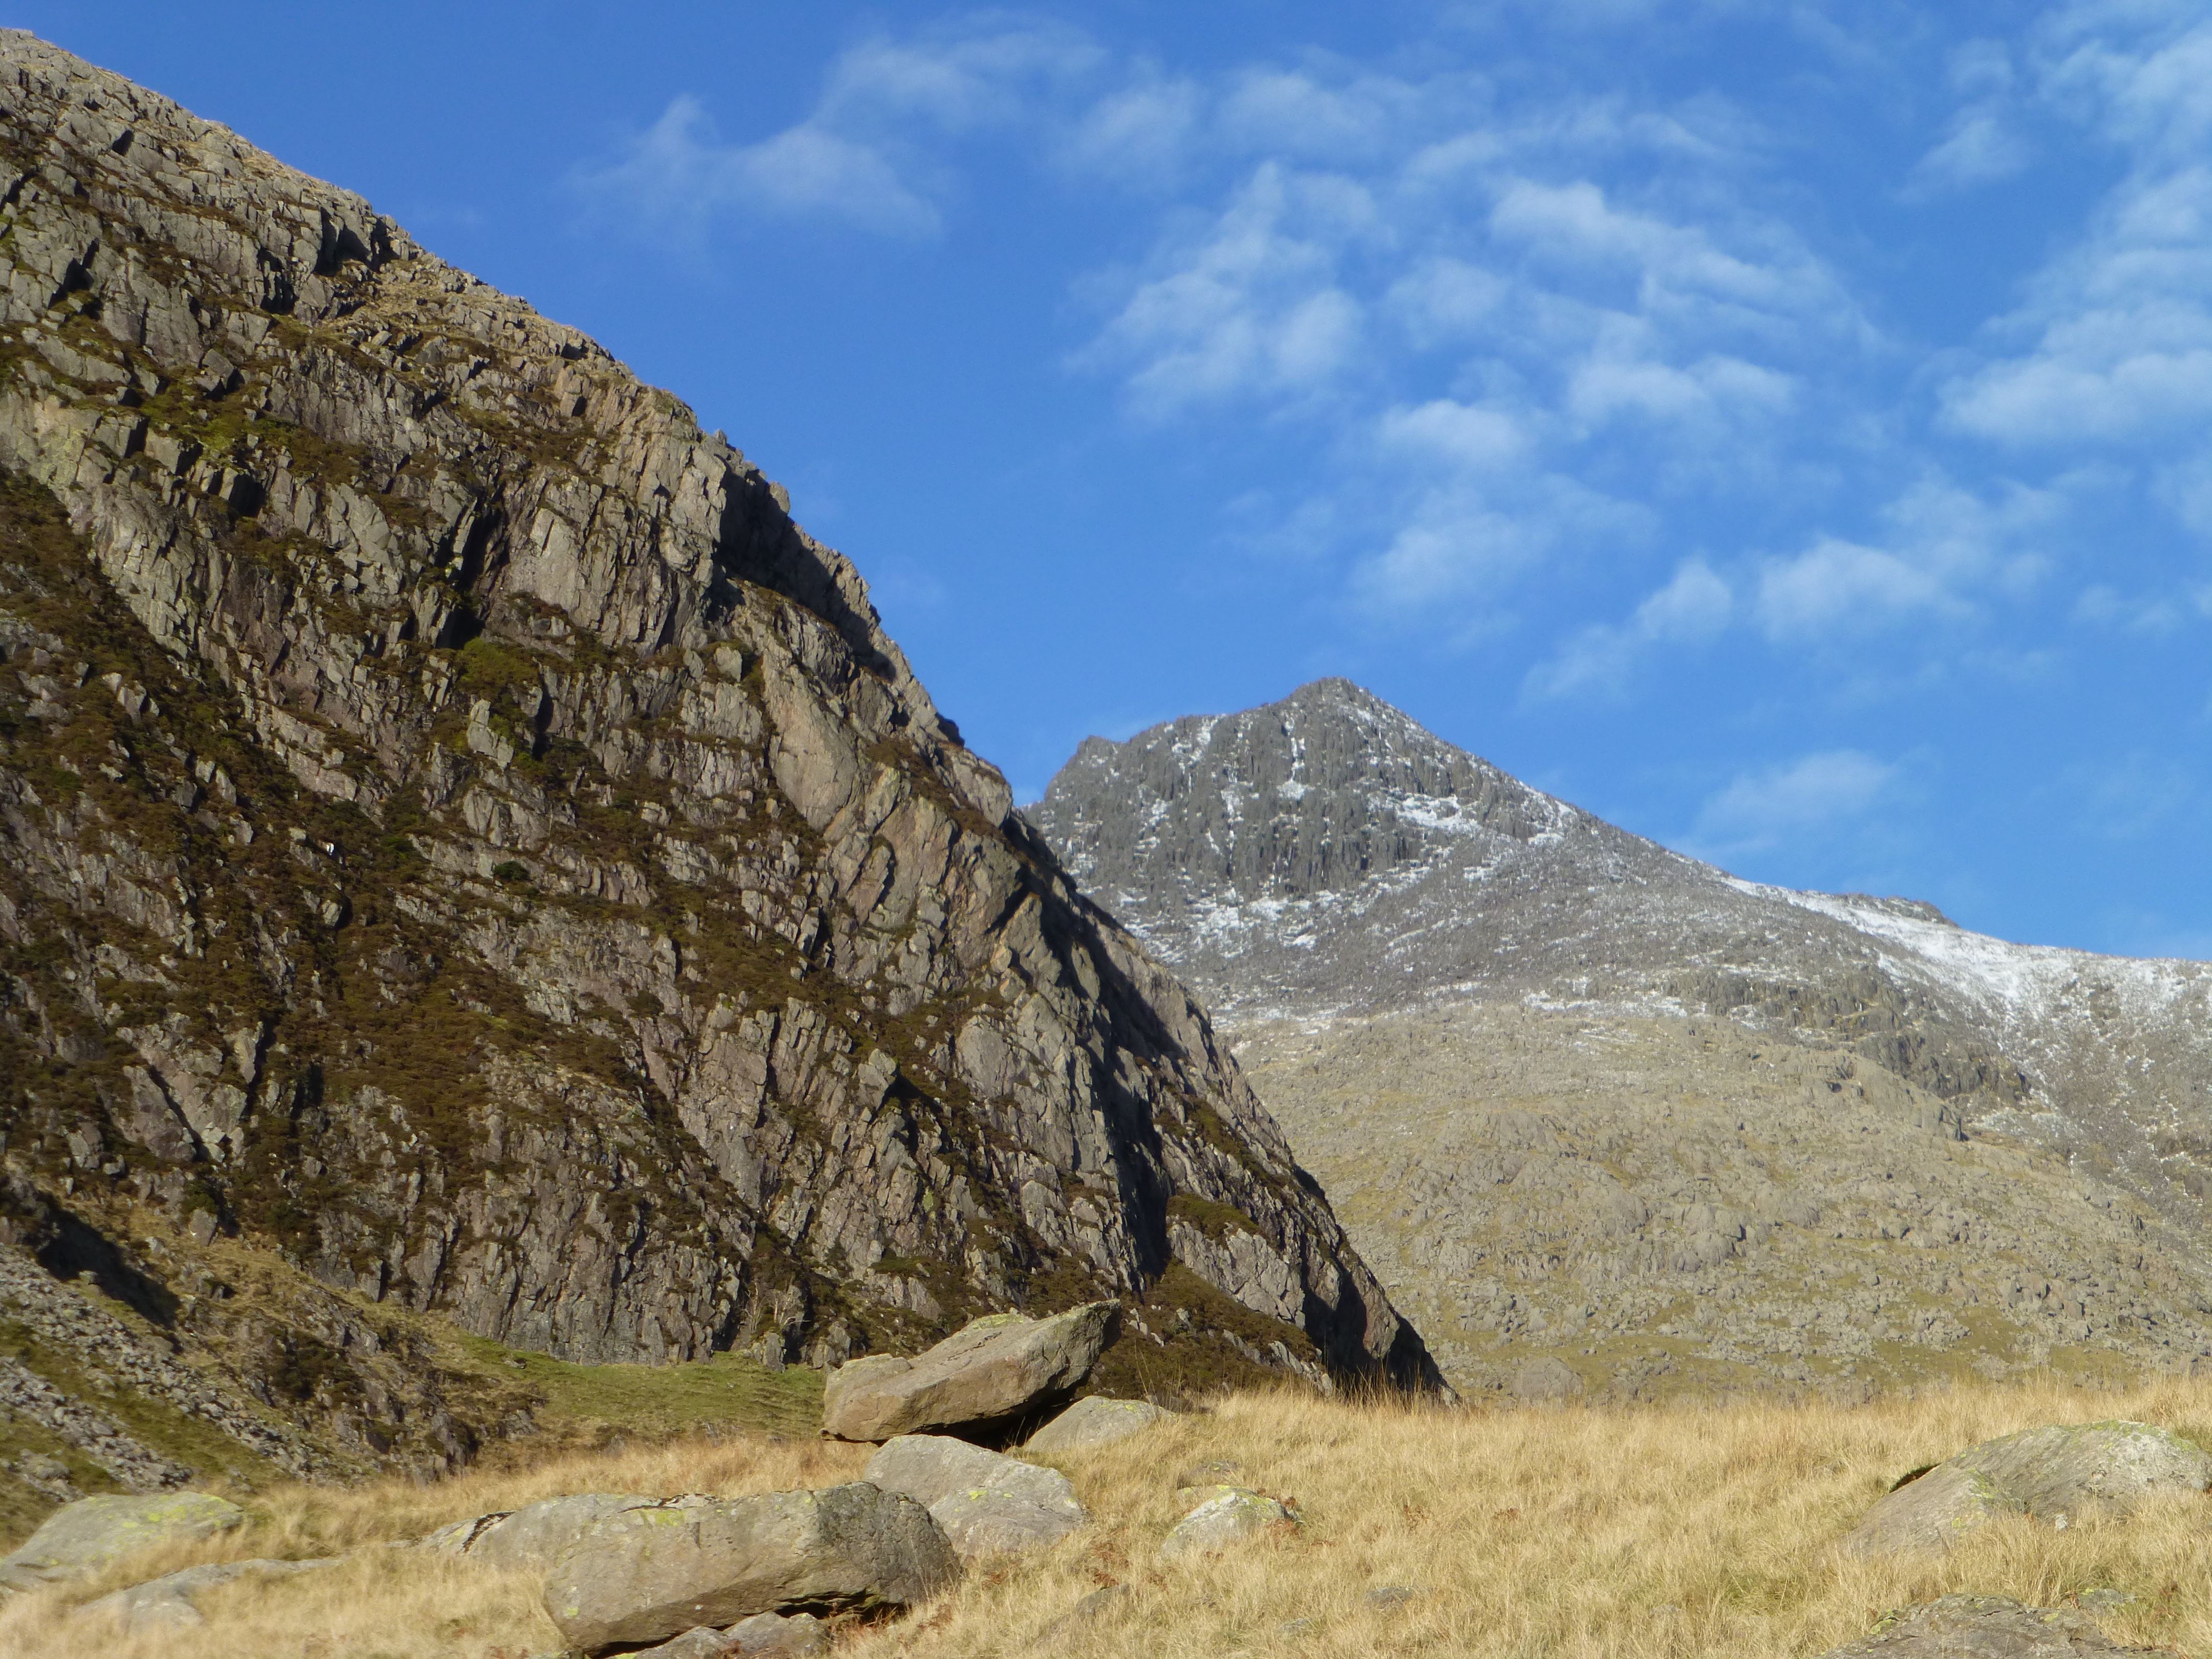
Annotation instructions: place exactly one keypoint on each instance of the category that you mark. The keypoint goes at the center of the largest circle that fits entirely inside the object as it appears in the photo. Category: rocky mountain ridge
(467, 844)
(1559, 1078)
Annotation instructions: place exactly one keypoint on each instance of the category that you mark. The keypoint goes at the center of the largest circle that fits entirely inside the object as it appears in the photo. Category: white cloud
(1482, 328)
(1459, 437)
(2114, 342)
(1949, 552)
(859, 155)
(954, 82)
(1335, 120)
(1139, 134)
(1982, 147)
(1253, 305)
(1692, 609)
(2105, 607)
(680, 176)
(1984, 142)
(1756, 810)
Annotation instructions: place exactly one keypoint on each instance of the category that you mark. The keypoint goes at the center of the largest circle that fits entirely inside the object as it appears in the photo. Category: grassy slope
(1633, 1532)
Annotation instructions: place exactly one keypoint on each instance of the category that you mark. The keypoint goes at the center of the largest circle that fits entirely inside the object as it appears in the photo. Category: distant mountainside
(1325, 871)
(470, 853)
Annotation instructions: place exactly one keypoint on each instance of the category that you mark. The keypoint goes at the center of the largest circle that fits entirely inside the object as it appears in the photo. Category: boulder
(1096, 1421)
(700, 1642)
(992, 1370)
(1545, 1379)
(79, 1539)
(166, 1603)
(988, 1503)
(1983, 1627)
(642, 1575)
(531, 1537)
(2048, 1473)
(766, 1635)
(1231, 1516)
(771, 1634)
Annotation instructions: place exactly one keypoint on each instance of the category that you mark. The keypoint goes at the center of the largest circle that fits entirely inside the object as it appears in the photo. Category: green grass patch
(728, 1390)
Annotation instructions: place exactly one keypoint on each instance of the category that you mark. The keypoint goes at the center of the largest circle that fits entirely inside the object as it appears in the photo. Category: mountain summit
(470, 851)
(1562, 1081)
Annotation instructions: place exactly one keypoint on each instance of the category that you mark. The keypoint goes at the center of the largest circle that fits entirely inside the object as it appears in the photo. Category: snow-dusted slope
(1326, 854)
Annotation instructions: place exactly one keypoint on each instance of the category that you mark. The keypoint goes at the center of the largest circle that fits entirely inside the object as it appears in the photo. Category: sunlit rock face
(465, 838)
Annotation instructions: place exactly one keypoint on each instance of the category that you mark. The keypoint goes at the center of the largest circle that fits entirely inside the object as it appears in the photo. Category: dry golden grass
(1619, 1533)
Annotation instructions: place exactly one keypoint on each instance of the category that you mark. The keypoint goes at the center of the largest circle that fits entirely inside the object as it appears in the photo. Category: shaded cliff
(465, 839)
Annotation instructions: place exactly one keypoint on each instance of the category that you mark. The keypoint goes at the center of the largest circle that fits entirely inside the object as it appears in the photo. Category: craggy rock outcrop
(645, 1575)
(984, 1377)
(461, 834)
(2052, 1473)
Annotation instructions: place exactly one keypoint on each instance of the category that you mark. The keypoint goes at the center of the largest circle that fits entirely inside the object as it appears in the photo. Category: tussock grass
(1602, 1533)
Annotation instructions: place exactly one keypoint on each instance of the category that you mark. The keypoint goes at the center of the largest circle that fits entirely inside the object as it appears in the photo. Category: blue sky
(1785, 429)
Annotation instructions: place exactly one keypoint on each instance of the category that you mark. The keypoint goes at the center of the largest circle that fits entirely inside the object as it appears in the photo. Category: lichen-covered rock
(1983, 1627)
(1231, 1516)
(987, 1503)
(2048, 1473)
(530, 1538)
(1095, 1421)
(80, 1539)
(645, 1575)
(999, 1367)
(166, 1602)
(462, 836)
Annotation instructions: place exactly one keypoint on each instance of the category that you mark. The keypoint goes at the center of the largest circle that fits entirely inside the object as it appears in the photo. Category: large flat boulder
(642, 1575)
(1093, 1422)
(532, 1537)
(992, 1370)
(2048, 1473)
(1985, 1627)
(987, 1503)
(79, 1539)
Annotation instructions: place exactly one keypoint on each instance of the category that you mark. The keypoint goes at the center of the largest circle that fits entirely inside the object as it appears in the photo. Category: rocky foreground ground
(2008, 1522)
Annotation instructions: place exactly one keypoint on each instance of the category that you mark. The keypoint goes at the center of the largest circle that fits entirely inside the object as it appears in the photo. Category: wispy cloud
(2114, 343)
(680, 176)
(1253, 306)
(1947, 552)
(866, 156)
(1693, 609)
(1984, 141)
(1820, 791)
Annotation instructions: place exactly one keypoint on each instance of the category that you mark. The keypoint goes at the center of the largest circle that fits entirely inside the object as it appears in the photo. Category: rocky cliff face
(1569, 1086)
(463, 837)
